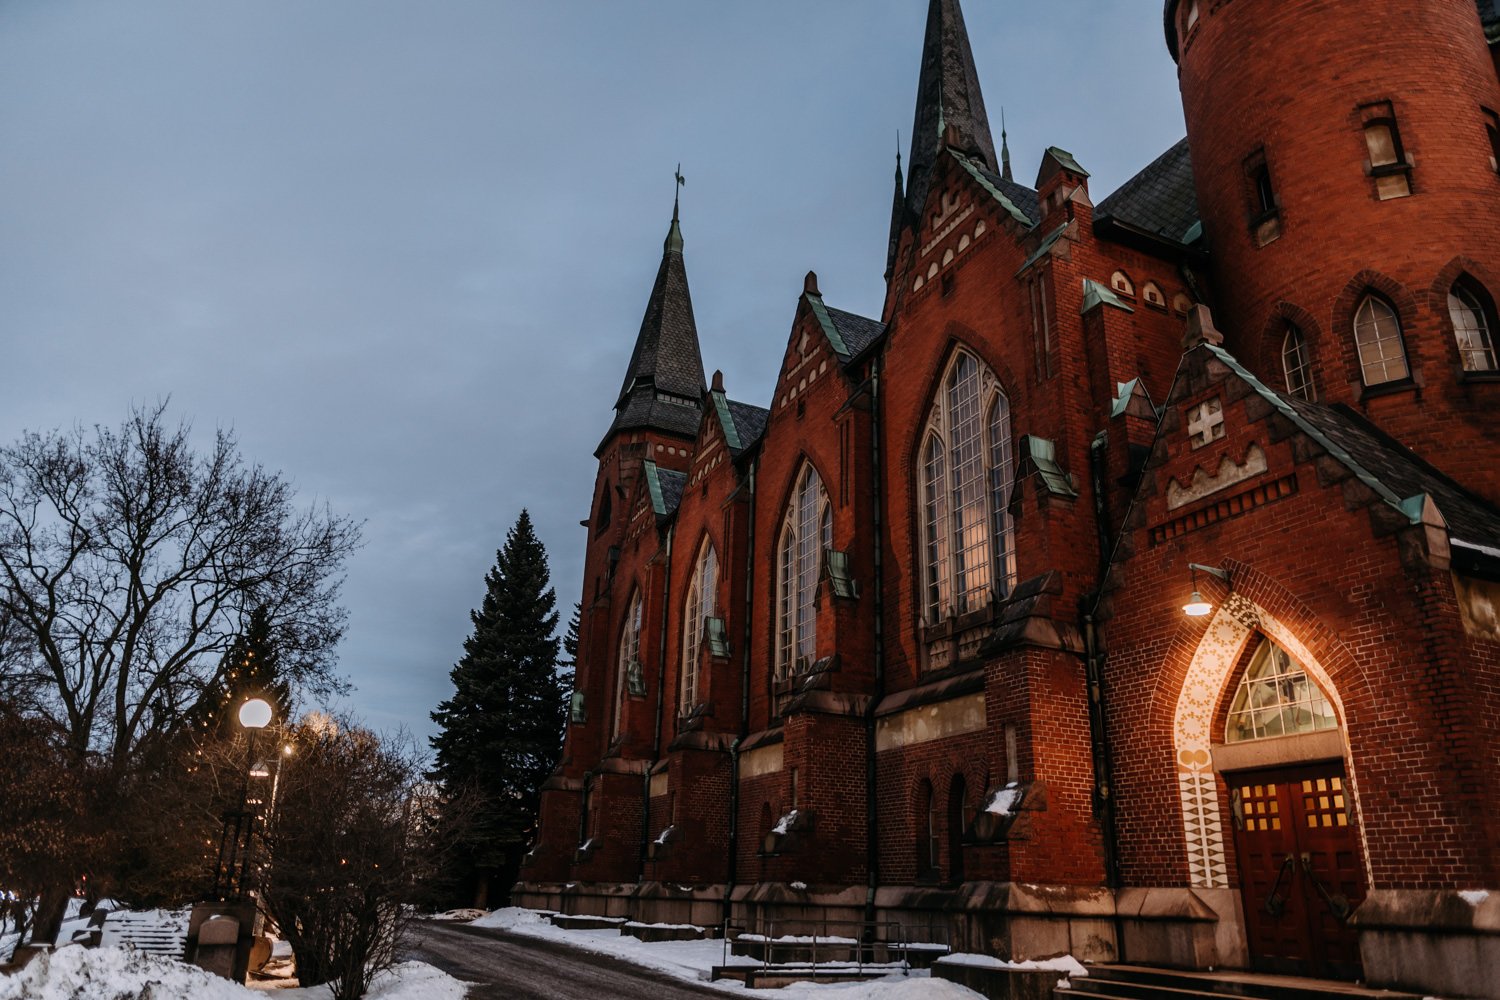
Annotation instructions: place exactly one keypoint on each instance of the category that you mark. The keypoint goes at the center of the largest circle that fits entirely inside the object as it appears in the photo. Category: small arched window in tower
(1151, 292)
(1275, 697)
(1296, 364)
(1377, 338)
(1121, 283)
(628, 669)
(1190, 18)
(606, 509)
(806, 531)
(1472, 328)
(1387, 163)
(956, 791)
(702, 604)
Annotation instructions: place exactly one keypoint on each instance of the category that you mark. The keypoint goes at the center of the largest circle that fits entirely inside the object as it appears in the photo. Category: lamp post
(239, 825)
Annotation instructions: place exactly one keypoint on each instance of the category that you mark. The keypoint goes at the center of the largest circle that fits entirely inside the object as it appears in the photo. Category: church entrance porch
(1297, 849)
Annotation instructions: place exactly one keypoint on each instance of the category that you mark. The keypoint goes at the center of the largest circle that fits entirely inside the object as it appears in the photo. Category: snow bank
(1004, 800)
(512, 917)
(1063, 963)
(77, 973)
(115, 974)
(1473, 896)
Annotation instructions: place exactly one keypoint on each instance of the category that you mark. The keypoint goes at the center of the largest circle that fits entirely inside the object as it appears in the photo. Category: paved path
(515, 967)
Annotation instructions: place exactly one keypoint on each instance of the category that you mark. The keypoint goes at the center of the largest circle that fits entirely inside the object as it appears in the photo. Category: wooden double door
(1300, 871)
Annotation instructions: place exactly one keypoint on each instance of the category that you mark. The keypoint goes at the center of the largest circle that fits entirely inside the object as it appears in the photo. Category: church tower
(655, 424)
(1348, 205)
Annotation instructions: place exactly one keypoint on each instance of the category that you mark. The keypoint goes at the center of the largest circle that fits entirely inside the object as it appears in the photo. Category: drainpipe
(661, 695)
(872, 811)
(734, 748)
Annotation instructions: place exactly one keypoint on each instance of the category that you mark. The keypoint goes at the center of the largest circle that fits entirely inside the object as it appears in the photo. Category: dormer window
(1387, 163)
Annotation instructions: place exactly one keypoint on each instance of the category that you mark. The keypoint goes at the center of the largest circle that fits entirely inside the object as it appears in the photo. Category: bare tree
(128, 565)
(343, 852)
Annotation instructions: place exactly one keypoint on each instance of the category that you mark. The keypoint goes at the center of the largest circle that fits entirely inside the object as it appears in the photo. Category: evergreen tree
(502, 728)
(251, 668)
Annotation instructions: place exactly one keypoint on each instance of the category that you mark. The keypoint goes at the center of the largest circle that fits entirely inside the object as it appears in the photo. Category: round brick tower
(1344, 155)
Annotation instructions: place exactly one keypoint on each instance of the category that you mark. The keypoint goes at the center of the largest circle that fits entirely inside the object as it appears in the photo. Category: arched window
(927, 832)
(1151, 292)
(1471, 326)
(1295, 363)
(1120, 282)
(966, 474)
(956, 829)
(606, 509)
(805, 532)
(629, 659)
(702, 604)
(1377, 337)
(1276, 698)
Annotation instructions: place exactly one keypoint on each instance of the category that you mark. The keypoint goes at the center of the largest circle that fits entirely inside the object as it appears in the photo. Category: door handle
(1337, 903)
(1275, 905)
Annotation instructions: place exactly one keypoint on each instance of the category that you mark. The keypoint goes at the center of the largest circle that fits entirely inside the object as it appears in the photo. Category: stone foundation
(1441, 942)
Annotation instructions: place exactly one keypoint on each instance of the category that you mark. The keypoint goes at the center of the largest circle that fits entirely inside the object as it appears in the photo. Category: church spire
(898, 215)
(948, 97)
(664, 385)
(1004, 149)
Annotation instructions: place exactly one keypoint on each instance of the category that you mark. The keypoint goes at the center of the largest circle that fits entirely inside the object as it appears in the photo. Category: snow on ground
(78, 973)
(694, 960)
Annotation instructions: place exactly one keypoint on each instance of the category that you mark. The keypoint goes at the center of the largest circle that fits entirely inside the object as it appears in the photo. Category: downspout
(872, 825)
(661, 696)
(734, 748)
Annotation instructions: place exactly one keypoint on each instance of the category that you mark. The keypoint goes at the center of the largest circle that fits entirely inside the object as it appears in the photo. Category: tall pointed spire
(1004, 149)
(948, 97)
(898, 215)
(664, 385)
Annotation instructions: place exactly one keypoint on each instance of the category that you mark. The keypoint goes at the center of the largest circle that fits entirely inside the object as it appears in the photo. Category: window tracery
(702, 604)
(806, 531)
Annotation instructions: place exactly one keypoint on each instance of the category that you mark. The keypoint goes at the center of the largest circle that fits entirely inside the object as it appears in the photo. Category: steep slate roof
(948, 96)
(1392, 471)
(749, 421)
(666, 360)
(1016, 193)
(857, 332)
(665, 488)
(1159, 202)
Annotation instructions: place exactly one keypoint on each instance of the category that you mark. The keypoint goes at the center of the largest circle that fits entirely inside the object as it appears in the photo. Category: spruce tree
(251, 668)
(502, 728)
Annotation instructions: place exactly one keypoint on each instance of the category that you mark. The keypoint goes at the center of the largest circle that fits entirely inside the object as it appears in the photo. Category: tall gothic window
(1471, 325)
(805, 532)
(968, 539)
(1377, 336)
(702, 604)
(629, 660)
(1295, 363)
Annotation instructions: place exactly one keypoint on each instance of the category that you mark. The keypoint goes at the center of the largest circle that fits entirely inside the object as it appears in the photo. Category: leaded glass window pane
(939, 593)
(1294, 362)
(806, 532)
(1276, 698)
(969, 508)
(702, 604)
(1000, 476)
(1472, 328)
(1377, 335)
(630, 652)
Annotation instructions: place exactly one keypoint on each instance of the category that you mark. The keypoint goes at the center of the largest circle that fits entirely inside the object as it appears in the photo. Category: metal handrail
(869, 939)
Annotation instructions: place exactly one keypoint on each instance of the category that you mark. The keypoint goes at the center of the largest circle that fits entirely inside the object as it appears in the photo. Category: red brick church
(1130, 587)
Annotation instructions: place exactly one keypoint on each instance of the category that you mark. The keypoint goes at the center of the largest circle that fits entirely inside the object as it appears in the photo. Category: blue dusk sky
(403, 249)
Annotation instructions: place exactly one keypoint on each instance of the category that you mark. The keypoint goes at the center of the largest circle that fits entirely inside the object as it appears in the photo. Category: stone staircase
(1131, 982)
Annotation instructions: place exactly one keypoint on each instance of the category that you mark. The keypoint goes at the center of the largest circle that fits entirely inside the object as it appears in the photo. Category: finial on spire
(1004, 148)
(674, 234)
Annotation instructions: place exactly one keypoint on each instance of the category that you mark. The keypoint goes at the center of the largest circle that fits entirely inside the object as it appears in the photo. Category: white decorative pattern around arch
(1234, 623)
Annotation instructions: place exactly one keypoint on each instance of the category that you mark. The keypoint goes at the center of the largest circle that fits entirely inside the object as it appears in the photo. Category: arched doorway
(1258, 713)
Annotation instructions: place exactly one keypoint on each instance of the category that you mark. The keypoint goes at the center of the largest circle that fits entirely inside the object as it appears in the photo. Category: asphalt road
(514, 967)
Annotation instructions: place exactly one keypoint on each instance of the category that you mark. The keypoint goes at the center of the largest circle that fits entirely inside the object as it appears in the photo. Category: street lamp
(1197, 607)
(239, 825)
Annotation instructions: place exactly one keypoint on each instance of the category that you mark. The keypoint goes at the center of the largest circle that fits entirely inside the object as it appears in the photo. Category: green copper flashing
(826, 322)
(726, 420)
(1410, 507)
(1095, 295)
(1123, 392)
(1065, 158)
(653, 484)
(978, 175)
(1043, 454)
(1194, 233)
(1047, 243)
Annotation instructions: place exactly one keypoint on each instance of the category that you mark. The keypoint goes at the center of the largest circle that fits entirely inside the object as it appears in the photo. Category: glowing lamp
(255, 714)
(1197, 607)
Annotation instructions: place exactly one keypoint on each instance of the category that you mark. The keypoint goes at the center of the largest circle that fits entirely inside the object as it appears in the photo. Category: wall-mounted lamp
(1197, 607)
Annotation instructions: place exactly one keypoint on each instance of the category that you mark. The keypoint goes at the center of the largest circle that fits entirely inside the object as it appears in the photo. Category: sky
(402, 249)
